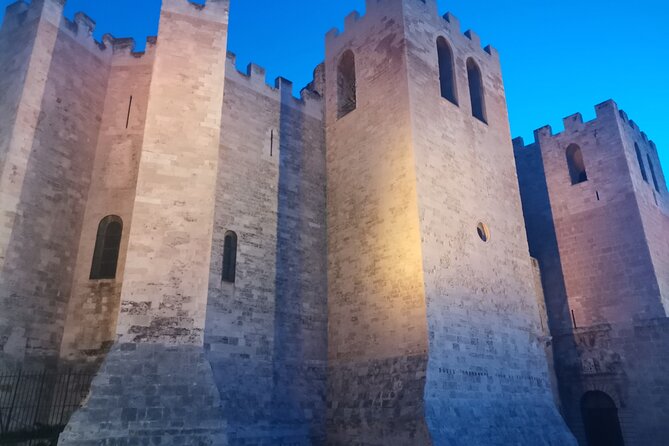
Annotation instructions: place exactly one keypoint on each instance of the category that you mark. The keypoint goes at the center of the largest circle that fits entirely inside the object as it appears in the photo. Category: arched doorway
(600, 418)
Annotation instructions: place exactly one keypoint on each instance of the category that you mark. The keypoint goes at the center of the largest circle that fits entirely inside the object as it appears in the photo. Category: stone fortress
(372, 263)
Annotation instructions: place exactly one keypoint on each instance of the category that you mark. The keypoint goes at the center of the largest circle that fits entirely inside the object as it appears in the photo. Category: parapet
(126, 46)
(635, 129)
(309, 102)
(355, 20)
(21, 12)
(607, 110)
(16, 9)
(210, 10)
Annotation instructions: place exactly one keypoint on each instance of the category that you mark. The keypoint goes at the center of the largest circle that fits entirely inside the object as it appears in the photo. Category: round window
(483, 232)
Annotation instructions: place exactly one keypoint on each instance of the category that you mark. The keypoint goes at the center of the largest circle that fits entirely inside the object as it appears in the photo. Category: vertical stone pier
(156, 386)
(27, 41)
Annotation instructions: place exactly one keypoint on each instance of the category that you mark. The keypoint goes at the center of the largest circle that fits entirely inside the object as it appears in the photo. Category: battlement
(126, 46)
(209, 10)
(255, 76)
(354, 20)
(21, 12)
(82, 26)
(574, 123)
(635, 128)
(16, 9)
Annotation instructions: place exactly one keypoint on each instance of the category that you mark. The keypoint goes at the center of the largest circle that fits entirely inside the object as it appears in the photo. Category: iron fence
(35, 407)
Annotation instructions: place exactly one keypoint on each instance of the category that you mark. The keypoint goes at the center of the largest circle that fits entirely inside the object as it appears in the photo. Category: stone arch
(347, 94)
(446, 71)
(107, 248)
(576, 164)
(600, 419)
(476, 90)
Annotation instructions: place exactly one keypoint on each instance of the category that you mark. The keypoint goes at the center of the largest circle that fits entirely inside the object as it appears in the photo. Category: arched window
(107, 247)
(446, 71)
(652, 173)
(230, 257)
(576, 165)
(346, 85)
(600, 419)
(641, 165)
(476, 91)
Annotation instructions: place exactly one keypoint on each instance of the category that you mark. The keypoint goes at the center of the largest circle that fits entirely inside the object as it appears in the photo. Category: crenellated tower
(432, 308)
(236, 263)
(163, 301)
(597, 212)
(54, 79)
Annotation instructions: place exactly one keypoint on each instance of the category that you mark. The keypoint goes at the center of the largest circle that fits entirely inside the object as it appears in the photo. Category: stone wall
(17, 39)
(487, 355)
(653, 205)
(167, 391)
(265, 332)
(47, 175)
(604, 259)
(376, 299)
(94, 305)
(595, 222)
(627, 361)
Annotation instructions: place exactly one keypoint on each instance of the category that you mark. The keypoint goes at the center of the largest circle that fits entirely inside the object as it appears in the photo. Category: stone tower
(597, 212)
(49, 104)
(156, 376)
(434, 333)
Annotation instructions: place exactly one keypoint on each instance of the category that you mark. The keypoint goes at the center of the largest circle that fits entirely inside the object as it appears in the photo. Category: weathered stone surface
(266, 333)
(94, 304)
(604, 266)
(150, 394)
(410, 175)
(366, 310)
(54, 106)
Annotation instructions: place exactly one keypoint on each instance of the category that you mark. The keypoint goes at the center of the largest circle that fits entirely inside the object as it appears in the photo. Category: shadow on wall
(300, 338)
(543, 245)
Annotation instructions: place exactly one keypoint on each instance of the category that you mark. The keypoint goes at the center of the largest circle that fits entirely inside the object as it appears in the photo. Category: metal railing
(35, 407)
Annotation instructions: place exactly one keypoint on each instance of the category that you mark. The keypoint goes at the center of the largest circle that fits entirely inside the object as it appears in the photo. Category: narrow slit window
(230, 257)
(347, 95)
(652, 173)
(271, 143)
(107, 247)
(446, 71)
(639, 158)
(476, 91)
(127, 119)
(576, 165)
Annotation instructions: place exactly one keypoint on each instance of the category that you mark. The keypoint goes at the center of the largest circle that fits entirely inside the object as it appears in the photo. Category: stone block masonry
(46, 172)
(94, 304)
(347, 266)
(149, 393)
(431, 327)
(604, 266)
(266, 332)
(377, 332)
(160, 328)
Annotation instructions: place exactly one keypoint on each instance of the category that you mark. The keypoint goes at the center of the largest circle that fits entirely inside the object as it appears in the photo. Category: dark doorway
(600, 418)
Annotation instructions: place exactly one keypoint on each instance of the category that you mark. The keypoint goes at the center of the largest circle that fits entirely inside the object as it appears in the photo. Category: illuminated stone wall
(430, 327)
(156, 382)
(487, 355)
(46, 171)
(378, 336)
(93, 308)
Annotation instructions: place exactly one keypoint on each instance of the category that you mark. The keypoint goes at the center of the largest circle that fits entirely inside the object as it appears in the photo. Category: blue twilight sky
(558, 57)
